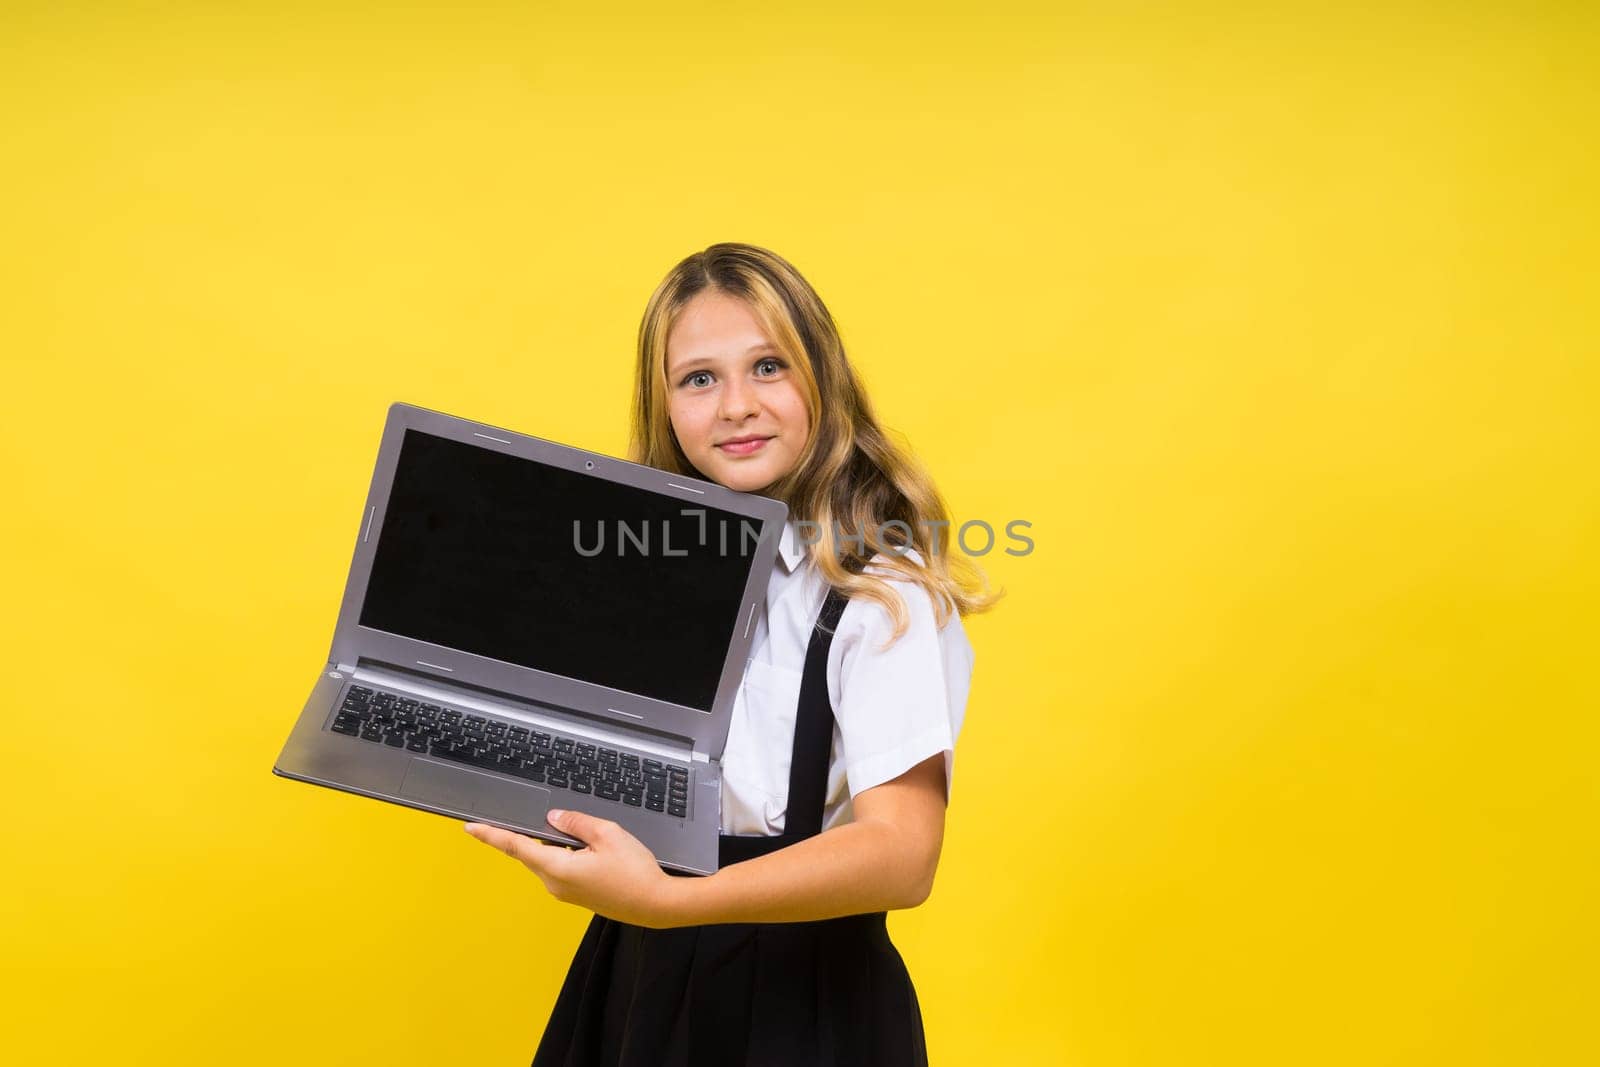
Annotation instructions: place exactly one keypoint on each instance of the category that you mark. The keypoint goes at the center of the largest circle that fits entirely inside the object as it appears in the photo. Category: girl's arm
(883, 860)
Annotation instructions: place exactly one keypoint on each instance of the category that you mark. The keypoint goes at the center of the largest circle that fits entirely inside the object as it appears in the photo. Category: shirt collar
(790, 550)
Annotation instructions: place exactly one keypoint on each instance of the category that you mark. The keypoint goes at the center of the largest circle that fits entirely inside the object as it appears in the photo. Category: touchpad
(467, 790)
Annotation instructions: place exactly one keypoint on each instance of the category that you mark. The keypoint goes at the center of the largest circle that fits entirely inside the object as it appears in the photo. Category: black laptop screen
(560, 571)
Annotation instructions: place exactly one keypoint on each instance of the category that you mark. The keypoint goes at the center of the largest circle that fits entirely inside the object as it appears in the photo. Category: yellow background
(1279, 326)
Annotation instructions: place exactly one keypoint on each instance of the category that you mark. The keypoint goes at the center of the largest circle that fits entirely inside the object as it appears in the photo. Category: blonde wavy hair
(850, 477)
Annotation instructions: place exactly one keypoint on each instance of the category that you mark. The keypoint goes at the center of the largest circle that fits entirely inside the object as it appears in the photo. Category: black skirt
(833, 992)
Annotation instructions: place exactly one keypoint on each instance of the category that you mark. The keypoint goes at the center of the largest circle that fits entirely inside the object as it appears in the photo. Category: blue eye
(697, 374)
(777, 365)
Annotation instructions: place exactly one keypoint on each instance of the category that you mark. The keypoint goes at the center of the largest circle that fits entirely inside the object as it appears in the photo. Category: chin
(731, 474)
(740, 480)
(747, 483)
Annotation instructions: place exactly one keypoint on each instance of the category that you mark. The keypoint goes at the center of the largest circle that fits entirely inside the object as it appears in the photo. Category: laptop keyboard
(497, 745)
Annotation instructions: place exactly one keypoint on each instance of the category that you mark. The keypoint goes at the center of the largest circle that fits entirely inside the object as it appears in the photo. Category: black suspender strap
(813, 728)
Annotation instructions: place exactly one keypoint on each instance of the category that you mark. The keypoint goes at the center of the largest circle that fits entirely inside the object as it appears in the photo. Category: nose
(738, 401)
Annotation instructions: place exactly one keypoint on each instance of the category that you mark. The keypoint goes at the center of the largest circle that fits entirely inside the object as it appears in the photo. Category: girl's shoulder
(868, 622)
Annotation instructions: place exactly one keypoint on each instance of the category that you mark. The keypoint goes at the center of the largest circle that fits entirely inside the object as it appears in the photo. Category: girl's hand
(615, 876)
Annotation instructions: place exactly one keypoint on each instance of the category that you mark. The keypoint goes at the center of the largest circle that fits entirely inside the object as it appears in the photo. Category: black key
(605, 790)
(631, 799)
(466, 756)
(417, 744)
(653, 803)
(371, 733)
(653, 765)
(557, 780)
(350, 728)
(395, 739)
(361, 689)
(513, 767)
(677, 809)
(582, 785)
(519, 732)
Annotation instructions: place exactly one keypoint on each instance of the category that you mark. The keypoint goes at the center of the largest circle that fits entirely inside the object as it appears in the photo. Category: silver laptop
(528, 625)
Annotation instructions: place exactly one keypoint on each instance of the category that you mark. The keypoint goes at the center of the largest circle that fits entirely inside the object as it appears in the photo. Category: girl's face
(734, 401)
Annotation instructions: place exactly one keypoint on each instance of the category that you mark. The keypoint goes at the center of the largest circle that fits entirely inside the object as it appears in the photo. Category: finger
(517, 846)
(586, 828)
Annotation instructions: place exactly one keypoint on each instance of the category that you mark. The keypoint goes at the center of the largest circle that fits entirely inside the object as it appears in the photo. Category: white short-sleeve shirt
(892, 709)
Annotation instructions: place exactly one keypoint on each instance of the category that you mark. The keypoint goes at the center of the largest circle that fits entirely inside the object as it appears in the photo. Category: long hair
(850, 478)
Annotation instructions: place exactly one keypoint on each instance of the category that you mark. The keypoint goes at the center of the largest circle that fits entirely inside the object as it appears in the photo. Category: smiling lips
(743, 446)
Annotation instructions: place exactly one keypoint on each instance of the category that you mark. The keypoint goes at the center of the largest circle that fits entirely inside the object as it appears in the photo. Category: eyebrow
(764, 348)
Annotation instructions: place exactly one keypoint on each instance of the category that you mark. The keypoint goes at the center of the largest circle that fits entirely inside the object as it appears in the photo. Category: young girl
(841, 744)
